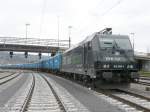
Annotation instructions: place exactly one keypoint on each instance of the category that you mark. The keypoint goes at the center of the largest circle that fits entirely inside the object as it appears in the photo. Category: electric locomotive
(101, 56)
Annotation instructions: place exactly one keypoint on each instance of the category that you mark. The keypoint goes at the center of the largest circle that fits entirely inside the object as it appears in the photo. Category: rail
(7, 76)
(6, 79)
(26, 102)
(134, 100)
(56, 96)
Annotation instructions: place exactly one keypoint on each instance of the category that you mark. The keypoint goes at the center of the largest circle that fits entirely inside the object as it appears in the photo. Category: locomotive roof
(90, 37)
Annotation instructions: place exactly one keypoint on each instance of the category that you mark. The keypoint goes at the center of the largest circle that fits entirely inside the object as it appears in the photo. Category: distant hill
(19, 58)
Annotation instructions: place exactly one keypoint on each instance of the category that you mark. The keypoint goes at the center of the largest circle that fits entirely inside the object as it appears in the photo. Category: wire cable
(111, 8)
(107, 11)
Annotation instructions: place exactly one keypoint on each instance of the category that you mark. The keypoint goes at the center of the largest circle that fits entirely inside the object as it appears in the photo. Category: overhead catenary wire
(111, 8)
(105, 12)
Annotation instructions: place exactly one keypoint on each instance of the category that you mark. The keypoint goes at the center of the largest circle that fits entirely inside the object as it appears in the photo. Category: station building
(143, 60)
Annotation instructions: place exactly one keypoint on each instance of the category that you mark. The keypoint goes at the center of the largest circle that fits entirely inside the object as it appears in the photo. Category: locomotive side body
(72, 61)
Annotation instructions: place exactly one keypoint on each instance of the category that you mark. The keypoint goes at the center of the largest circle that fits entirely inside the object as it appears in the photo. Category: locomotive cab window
(123, 43)
(106, 43)
(119, 43)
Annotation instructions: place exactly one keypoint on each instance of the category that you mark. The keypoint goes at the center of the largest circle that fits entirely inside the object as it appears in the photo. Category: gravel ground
(10, 88)
(139, 88)
(85, 96)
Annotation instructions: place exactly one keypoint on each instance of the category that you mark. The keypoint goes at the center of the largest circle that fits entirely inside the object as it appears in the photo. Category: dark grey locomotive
(101, 56)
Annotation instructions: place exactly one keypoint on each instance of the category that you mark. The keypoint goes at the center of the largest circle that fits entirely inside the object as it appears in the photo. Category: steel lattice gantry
(32, 45)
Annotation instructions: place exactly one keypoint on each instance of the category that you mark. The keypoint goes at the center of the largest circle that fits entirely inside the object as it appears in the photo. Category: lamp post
(132, 34)
(58, 30)
(69, 31)
(27, 24)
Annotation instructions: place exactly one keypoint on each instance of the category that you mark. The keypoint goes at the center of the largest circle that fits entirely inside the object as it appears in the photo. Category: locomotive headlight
(106, 66)
(131, 66)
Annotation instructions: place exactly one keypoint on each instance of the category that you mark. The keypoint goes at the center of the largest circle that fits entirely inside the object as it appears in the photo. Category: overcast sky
(85, 17)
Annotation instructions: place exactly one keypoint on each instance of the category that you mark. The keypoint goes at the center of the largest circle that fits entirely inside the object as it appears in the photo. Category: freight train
(102, 56)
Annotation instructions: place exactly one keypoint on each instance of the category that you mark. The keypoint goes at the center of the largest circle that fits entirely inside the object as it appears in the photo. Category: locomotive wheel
(93, 83)
(86, 80)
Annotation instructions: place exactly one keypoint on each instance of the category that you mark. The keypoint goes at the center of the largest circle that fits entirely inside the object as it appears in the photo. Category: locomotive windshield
(121, 43)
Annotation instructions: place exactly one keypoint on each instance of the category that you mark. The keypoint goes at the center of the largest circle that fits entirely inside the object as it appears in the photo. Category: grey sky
(86, 17)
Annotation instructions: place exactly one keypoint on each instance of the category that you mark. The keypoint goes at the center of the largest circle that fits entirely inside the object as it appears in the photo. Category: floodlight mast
(69, 31)
(27, 24)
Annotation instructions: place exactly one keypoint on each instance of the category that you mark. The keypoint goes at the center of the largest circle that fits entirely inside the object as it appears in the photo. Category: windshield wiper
(116, 45)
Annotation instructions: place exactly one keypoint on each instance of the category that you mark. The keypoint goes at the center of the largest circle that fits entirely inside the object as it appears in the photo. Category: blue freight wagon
(57, 61)
(45, 64)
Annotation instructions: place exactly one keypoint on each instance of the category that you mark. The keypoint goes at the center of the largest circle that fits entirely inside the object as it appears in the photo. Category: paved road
(86, 97)
(8, 89)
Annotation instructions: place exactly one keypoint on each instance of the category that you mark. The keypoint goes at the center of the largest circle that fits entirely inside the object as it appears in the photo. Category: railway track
(43, 94)
(125, 100)
(39, 94)
(7, 75)
(43, 99)
(145, 77)
(18, 102)
(133, 99)
(144, 81)
(130, 102)
(7, 78)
